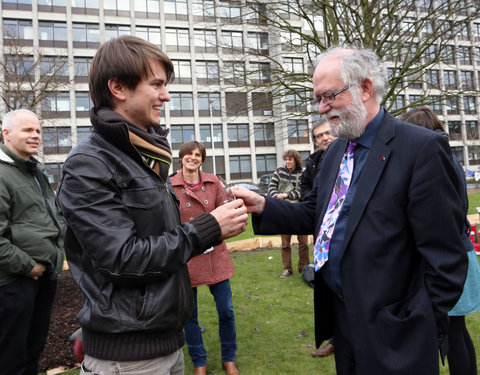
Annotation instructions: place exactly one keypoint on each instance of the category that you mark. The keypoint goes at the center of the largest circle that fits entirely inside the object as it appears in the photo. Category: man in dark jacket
(31, 246)
(125, 245)
(322, 137)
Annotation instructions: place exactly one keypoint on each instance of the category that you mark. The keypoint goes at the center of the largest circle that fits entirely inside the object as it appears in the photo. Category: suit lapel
(372, 171)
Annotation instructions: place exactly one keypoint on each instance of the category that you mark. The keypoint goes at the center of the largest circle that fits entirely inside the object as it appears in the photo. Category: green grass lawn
(473, 202)
(274, 319)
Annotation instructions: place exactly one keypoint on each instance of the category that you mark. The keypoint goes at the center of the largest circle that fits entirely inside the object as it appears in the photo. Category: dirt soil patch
(68, 301)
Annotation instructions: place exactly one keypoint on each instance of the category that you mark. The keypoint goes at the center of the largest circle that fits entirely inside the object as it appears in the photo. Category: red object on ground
(474, 237)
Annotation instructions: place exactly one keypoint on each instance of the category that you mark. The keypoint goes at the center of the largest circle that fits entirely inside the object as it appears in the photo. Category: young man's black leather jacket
(126, 248)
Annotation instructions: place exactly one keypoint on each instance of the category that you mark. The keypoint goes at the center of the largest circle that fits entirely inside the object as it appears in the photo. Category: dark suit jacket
(403, 264)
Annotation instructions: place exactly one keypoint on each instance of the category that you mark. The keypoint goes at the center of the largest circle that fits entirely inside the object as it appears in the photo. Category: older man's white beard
(352, 120)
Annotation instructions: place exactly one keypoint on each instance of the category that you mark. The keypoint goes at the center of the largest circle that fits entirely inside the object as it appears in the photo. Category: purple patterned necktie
(322, 244)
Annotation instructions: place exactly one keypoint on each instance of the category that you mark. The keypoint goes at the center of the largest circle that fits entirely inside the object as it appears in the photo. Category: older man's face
(347, 113)
(323, 136)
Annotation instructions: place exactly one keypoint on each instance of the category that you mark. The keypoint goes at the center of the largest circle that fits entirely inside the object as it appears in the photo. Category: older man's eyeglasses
(329, 97)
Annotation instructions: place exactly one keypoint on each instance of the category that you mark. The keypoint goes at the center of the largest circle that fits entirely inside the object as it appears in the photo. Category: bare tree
(29, 75)
(416, 38)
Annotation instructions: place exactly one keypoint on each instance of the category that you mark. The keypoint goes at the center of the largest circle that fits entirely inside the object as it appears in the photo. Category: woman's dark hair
(127, 59)
(189, 146)
(424, 117)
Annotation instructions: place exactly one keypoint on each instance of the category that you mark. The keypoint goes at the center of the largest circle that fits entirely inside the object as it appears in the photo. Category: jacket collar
(177, 178)
(8, 156)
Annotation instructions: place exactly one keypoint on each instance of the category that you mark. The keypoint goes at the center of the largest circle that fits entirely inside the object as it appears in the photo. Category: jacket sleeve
(273, 186)
(306, 182)
(102, 226)
(12, 259)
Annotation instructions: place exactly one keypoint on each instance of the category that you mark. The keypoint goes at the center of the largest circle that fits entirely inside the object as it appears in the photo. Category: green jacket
(29, 234)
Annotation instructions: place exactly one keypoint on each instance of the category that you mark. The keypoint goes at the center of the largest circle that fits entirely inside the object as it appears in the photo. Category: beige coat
(215, 266)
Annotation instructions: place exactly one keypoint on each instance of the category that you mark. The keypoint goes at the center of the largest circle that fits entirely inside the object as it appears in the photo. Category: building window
(58, 6)
(152, 34)
(258, 42)
(183, 71)
(450, 79)
(448, 54)
(466, 77)
(207, 72)
(236, 103)
(291, 40)
(85, 6)
(433, 78)
(462, 28)
(288, 9)
(262, 104)
(181, 134)
(56, 140)
(476, 32)
(455, 130)
(424, 5)
(398, 102)
(206, 135)
(264, 135)
(17, 4)
(54, 66)
(114, 31)
(473, 155)
(81, 67)
(176, 10)
(294, 102)
(52, 34)
(203, 10)
(230, 10)
(260, 73)
(147, 8)
(205, 41)
(21, 31)
(255, 13)
(18, 68)
(83, 132)
(207, 165)
(477, 55)
(234, 73)
(181, 104)
(54, 171)
(266, 164)
(436, 104)
(232, 42)
(458, 152)
(464, 55)
(83, 103)
(117, 8)
(431, 53)
(56, 104)
(452, 106)
(293, 65)
(240, 167)
(413, 99)
(86, 35)
(469, 105)
(472, 130)
(177, 40)
(238, 135)
(427, 29)
(298, 131)
(209, 101)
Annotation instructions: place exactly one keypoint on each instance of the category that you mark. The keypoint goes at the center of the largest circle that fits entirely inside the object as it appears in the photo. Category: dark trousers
(25, 307)
(344, 357)
(461, 352)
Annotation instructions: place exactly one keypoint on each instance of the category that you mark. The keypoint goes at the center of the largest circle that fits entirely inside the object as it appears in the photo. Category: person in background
(461, 351)
(389, 262)
(201, 192)
(285, 185)
(31, 245)
(126, 246)
(322, 137)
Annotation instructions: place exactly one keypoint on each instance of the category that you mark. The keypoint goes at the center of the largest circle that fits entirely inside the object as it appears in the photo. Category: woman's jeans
(226, 326)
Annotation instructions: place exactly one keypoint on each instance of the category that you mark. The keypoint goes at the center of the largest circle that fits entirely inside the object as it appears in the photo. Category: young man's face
(290, 163)
(142, 105)
(24, 138)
